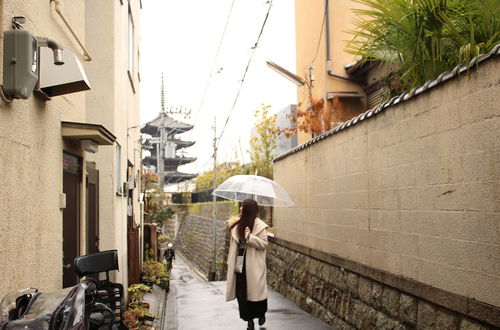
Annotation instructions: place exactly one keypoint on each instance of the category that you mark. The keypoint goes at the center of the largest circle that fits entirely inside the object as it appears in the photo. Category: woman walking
(246, 264)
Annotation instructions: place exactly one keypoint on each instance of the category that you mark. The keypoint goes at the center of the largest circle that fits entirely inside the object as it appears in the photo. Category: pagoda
(165, 142)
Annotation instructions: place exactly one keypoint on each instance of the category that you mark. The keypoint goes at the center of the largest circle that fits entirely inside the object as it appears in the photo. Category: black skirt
(249, 310)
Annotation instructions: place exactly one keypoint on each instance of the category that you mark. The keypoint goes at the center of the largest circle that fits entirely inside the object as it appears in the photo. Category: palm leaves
(425, 37)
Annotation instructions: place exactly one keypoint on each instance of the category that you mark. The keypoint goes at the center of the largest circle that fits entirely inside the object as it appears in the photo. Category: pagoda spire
(162, 95)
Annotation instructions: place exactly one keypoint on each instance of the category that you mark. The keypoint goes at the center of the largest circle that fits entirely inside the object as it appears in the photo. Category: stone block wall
(411, 188)
(170, 226)
(224, 210)
(349, 295)
(195, 242)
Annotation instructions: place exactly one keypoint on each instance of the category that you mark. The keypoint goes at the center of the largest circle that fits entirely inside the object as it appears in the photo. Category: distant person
(169, 256)
(246, 264)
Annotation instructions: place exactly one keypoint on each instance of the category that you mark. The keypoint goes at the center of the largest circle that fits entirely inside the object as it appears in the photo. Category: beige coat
(255, 263)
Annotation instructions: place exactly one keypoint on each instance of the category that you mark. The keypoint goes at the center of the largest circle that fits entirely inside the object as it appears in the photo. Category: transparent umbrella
(263, 190)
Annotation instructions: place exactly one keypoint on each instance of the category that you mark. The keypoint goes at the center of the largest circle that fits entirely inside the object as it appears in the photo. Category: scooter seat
(96, 263)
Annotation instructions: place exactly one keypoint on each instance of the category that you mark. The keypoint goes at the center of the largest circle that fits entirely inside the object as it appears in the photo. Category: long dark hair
(249, 211)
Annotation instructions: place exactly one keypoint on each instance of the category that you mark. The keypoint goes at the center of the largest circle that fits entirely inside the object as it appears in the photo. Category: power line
(245, 73)
(213, 66)
(211, 74)
(320, 34)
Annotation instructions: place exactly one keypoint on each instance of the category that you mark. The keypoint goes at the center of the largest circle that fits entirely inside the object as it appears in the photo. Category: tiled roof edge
(445, 76)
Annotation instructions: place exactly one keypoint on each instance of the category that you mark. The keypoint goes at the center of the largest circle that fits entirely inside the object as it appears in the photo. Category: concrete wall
(31, 146)
(413, 190)
(31, 149)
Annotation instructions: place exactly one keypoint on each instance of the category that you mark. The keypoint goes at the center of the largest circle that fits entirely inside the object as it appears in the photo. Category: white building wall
(115, 102)
(283, 143)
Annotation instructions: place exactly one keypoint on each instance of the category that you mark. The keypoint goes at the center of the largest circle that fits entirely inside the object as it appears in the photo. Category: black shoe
(250, 325)
(262, 320)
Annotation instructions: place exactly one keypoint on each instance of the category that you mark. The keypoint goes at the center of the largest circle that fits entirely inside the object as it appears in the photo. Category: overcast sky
(181, 38)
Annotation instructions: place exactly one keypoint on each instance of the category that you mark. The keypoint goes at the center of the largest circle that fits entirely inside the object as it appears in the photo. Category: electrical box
(19, 63)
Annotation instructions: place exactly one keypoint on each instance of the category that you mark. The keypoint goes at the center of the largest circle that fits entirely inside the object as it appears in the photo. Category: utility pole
(214, 213)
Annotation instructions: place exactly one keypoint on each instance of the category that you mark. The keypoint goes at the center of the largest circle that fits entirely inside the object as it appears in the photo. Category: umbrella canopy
(262, 190)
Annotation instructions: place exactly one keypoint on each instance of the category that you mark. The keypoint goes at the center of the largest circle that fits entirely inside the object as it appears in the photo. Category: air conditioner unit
(125, 187)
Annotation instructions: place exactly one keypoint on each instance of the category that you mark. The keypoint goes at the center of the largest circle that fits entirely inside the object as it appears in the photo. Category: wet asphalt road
(193, 303)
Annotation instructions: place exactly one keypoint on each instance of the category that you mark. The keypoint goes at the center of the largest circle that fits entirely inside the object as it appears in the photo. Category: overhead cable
(245, 73)
(213, 66)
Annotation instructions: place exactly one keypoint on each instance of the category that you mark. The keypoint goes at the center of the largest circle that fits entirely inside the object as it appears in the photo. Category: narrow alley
(327, 151)
(193, 303)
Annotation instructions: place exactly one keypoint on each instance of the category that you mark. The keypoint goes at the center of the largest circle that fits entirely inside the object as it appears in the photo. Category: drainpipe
(60, 13)
(328, 58)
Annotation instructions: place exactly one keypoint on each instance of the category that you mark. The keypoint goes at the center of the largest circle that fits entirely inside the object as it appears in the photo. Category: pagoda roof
(171, 125)
(169, 162)
(176, 177)
(179, 144)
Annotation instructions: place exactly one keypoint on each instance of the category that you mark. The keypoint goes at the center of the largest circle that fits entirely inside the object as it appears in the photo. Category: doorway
(92, 208)
(71, 217)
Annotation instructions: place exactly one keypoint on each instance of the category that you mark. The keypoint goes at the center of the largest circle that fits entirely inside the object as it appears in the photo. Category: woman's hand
(247, 232)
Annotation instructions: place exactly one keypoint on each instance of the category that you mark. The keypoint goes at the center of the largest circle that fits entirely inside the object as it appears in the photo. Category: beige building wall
(31, 149)
(310, 31)
(31, 145)
(115, 102)
(413, 190)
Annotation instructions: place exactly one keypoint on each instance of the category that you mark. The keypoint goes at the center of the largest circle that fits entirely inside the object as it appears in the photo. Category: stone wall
(349, 295)
(194, 241)
(410, 188)
(224, 210)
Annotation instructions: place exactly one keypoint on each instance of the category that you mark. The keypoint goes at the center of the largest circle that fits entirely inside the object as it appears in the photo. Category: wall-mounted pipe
(60, 13)
(328, 58)
(56, 48)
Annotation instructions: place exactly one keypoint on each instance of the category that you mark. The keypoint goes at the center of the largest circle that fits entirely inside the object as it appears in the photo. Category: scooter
(91, 304)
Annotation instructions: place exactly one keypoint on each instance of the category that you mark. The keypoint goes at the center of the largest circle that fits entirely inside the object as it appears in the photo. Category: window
(130, 43)
(138, 65)
(118, 165)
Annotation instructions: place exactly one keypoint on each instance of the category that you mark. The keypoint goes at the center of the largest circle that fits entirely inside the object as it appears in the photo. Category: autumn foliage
(313, 118)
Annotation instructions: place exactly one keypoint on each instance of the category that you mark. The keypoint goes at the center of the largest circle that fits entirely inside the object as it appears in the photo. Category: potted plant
(131, 318)
(137, 292)
(164, 278)
(145, 315)
(149, 274)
